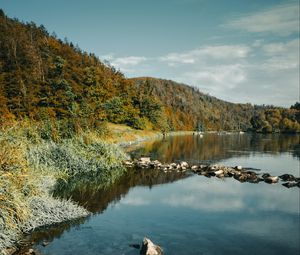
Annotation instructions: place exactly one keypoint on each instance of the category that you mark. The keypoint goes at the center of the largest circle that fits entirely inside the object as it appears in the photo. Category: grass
(35, 158)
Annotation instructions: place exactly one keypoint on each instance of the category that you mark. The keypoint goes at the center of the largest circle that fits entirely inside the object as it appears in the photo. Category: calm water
(185, 213)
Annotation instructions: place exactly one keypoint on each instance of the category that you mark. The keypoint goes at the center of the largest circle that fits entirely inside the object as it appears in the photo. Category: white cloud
(218, 77)
(131, 60)
(260, 72)
(281, 20)
(281, 56)
(125, 64)
(195, 201)
(218, 52)
(134, 201)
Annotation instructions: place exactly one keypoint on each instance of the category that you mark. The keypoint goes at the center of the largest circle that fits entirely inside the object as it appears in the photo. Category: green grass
(33, 164)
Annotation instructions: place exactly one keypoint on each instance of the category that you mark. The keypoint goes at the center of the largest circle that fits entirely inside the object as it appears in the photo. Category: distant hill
(43, 78)
(187, 107)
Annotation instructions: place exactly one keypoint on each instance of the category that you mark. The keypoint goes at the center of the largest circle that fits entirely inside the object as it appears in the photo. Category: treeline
(46, 79)
(274, 120)
(186, 108)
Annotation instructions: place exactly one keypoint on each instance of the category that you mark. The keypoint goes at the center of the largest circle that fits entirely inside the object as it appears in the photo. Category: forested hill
(187, 107)
(43, 78)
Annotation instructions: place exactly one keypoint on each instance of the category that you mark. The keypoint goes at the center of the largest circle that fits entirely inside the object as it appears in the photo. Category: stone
(194, 167)
(219, 172)
(287, 177)
(184, 164)
(271, 179)
(239, 167)
(145, 159)
(265, 176)
(149, 248)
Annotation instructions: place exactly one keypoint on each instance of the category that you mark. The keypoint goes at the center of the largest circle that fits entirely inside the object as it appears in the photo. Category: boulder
(149, 248)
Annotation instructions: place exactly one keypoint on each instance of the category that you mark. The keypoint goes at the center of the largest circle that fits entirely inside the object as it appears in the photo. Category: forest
(46, 79)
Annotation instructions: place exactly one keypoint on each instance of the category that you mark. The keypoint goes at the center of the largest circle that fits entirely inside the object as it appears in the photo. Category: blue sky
(238, 50)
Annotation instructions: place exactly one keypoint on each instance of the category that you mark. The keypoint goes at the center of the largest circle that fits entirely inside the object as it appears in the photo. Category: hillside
(187, 107)
(43, 78)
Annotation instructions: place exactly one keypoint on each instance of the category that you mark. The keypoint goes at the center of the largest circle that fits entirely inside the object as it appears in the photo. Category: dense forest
(43, 78)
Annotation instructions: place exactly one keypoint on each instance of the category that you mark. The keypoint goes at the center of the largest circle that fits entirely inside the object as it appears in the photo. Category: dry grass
(32, 157)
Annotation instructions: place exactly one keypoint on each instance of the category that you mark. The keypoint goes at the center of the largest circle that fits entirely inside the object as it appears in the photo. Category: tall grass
(35, 158)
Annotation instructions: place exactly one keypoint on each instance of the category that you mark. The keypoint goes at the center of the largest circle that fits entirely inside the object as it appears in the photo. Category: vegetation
(186, 108)
(32, 165)
(275, 120)
(45, 78)
(57, 104)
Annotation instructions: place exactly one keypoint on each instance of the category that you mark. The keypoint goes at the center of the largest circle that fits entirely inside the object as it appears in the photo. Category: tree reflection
(214, 147)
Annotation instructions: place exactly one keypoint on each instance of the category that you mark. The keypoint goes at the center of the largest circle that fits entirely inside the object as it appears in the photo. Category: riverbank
(34, 158)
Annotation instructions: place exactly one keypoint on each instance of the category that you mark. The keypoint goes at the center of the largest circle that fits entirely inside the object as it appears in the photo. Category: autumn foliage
(43, 78)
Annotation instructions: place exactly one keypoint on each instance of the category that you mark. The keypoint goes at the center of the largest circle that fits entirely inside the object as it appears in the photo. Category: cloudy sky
(237, 50)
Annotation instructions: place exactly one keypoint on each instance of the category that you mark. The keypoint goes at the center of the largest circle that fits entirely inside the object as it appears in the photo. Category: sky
(242, 51)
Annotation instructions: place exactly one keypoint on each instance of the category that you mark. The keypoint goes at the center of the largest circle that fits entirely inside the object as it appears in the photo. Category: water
(186, 213)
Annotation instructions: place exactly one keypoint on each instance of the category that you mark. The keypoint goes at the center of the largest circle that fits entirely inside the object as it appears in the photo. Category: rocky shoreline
(238, 172)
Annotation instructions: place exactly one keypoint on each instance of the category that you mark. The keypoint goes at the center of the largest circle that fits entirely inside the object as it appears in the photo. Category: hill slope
(187, 107)
(45, 78)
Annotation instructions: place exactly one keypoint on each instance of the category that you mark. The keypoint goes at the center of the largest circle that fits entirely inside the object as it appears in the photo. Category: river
(186, 213)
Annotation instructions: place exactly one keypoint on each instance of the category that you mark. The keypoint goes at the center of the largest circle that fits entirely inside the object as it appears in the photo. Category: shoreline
(140, 138)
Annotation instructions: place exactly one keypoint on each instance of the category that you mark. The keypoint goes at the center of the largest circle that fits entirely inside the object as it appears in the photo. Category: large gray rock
(149, 248)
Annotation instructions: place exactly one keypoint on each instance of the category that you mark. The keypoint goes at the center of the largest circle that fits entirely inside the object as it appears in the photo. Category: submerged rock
(149, 248)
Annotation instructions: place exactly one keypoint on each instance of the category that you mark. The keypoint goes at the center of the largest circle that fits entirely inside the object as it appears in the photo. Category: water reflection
(187, 214)
(95, 198)
(193, 215)
(213, 147)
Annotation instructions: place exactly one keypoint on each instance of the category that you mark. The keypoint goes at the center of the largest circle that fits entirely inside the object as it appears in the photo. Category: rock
(145, 159)
(271, 179)
(287, 177)
(149, 248)
(219, 172)
(238, 167)
(173, 165)
(242, 178)
(184, 164)
(265, 176)
(128, 163)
